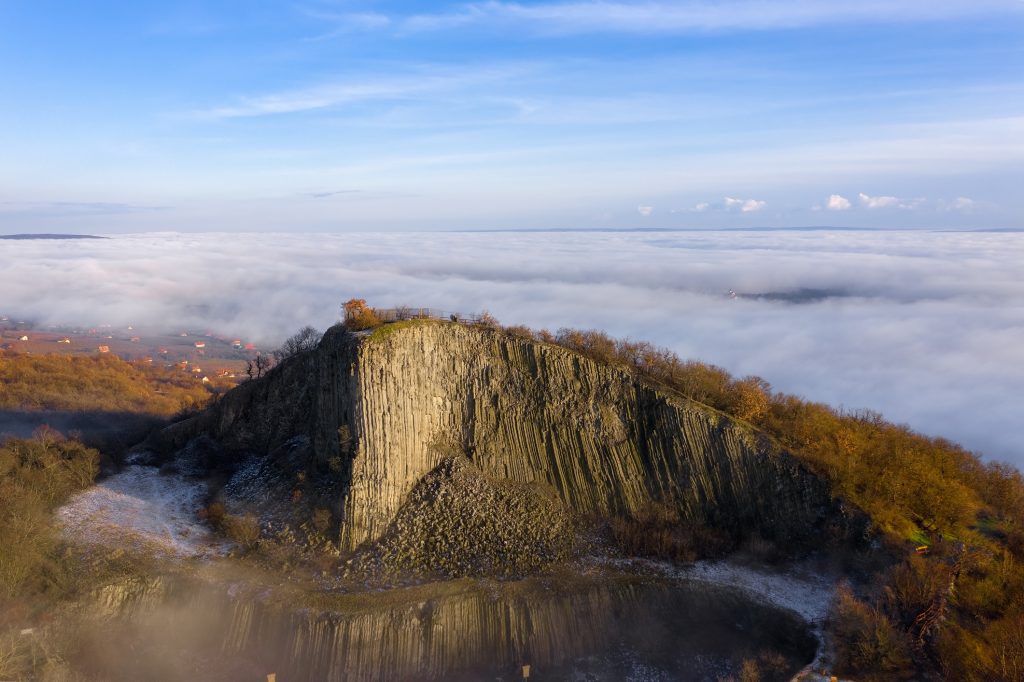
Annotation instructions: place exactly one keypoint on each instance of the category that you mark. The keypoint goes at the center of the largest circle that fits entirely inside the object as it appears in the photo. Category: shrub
(657, 531)
(866, 643)
(243, 529)
(488, 320)
(214, 514)
(750, 671)
(36, 475)
(521, 331)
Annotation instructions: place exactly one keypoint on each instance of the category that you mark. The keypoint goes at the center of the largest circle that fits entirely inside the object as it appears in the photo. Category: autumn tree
(358, 315)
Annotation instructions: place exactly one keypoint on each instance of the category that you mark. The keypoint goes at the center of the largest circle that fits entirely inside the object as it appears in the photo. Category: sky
(587, 163)
(381, 115)
(923, 326)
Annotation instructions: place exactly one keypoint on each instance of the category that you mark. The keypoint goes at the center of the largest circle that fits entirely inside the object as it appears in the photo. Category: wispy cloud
(873, 203)
(331, 193)
(586, 16)
(731, 204)
(416, 83)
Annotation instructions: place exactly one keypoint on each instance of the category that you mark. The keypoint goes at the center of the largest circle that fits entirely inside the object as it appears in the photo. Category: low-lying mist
(924, 327)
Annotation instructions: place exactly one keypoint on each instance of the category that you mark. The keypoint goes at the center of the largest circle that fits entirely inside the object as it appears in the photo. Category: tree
(258, 366)
(358, 315)
(306, 339)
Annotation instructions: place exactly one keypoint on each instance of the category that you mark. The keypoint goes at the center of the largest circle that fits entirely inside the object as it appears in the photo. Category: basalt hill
(430, 438)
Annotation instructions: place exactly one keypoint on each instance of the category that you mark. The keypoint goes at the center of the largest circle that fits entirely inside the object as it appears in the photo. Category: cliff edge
(372, 415)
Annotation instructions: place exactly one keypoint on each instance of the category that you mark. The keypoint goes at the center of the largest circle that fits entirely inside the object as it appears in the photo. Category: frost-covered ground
(798, 588)
(144, 509)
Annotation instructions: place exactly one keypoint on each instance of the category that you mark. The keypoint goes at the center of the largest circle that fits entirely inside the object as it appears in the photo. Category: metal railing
(404, 313)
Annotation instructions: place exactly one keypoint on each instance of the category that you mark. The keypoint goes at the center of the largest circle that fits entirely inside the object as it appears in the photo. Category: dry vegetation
(94, 384)
(36, 475)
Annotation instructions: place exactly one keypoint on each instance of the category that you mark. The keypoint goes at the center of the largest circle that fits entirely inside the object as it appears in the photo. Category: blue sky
(125, 117)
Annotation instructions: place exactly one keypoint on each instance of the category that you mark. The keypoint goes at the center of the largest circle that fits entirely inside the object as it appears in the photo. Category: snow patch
(142, 508)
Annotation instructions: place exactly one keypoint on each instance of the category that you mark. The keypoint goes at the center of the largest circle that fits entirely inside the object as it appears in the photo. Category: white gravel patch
(143, 509)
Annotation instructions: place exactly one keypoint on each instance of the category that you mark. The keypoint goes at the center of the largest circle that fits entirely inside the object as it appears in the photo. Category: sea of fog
(925, 327)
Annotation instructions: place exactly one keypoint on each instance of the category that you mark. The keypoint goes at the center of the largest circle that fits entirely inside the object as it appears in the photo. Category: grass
(388, 329)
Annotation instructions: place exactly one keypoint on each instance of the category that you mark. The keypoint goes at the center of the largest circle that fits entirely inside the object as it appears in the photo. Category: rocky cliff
(379, 410)
(602, 627)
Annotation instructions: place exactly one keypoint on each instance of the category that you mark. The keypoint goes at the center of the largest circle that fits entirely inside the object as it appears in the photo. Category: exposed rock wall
(375, 406)
(466, 631)
(537, 413)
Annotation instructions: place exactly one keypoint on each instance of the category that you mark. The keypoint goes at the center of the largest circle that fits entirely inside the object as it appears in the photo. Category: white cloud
(927, 334)
(744, 205)
(963, 204)
(878, 202)
(645, 210)
(870, 202)
(701, 207)
(837, 202)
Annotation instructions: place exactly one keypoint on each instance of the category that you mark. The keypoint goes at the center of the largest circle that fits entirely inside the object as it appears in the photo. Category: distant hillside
(94, 384)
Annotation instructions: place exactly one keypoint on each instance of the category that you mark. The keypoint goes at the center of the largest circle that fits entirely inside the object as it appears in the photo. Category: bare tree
(258, 366)
(305, 339)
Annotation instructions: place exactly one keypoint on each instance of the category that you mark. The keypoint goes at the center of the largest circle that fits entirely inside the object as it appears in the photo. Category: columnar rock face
(467, 630)
(377, 406)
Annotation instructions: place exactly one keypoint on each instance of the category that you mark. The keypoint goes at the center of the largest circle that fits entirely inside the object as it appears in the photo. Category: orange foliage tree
(358, 315)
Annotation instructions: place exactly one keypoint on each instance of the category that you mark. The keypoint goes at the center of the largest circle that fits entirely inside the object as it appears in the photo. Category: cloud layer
(923, 326)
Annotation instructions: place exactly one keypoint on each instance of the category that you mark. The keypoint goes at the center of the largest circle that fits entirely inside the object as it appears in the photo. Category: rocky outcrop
(381, 409)
(608, 625)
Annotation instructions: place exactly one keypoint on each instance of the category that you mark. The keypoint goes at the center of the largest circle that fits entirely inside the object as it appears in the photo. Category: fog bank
(925, 327)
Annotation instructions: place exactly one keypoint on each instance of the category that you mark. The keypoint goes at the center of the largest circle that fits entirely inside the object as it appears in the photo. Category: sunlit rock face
(381, 409)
